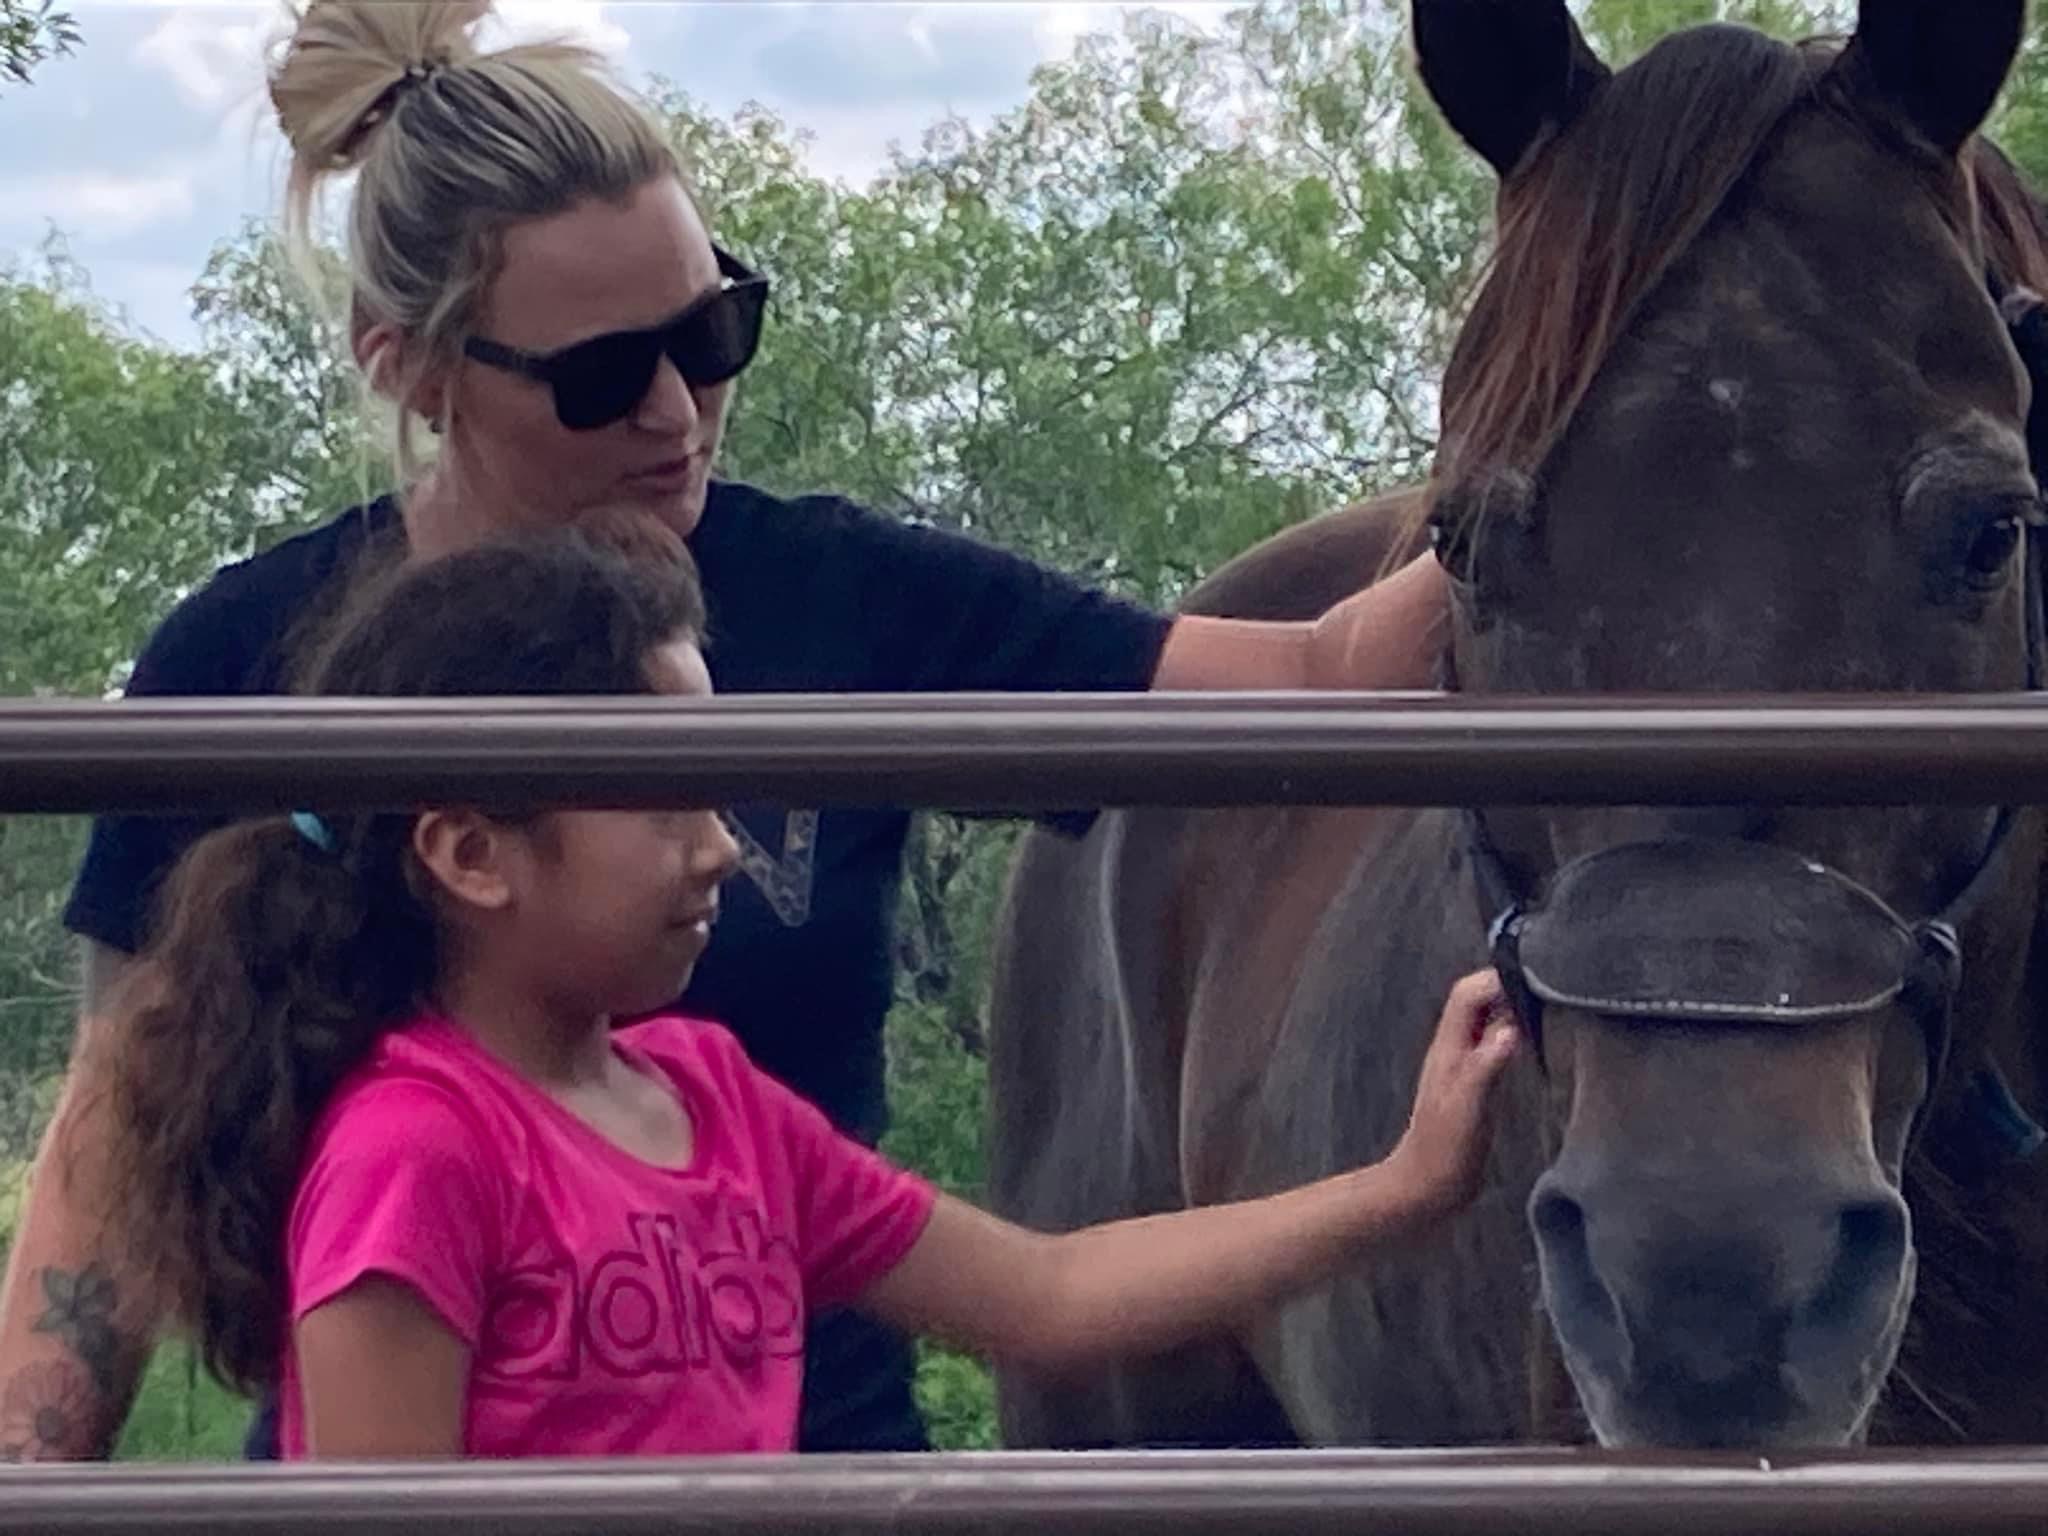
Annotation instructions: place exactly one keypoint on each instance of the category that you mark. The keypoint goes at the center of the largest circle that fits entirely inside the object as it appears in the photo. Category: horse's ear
(1504, 71)
(1937, 64)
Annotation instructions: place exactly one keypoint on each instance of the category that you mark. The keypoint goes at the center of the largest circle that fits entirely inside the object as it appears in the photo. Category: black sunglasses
(599, 381)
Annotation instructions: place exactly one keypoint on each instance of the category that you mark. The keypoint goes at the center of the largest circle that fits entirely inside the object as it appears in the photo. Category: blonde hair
(450, 146)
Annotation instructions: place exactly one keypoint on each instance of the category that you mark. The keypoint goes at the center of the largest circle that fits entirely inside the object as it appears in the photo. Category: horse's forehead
(1814, 298)
(1724, 364)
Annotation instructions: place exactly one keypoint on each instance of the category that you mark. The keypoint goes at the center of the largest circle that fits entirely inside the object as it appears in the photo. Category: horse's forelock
(1589, 229)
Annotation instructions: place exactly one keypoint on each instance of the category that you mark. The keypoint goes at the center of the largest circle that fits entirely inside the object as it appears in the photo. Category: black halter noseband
(1926, 957)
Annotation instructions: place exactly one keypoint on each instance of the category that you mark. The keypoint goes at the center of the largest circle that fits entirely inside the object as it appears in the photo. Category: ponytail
(274, 967)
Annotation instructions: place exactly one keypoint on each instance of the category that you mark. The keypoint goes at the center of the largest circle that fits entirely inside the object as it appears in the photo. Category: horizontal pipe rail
(1021, 752)
(1187, 1494)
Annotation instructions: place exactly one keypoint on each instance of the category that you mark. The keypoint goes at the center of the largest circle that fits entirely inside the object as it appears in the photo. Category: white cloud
(852, 144)
(212, 54)
(158, 138)
(1059, 27)
(584, 21)
(103, 205)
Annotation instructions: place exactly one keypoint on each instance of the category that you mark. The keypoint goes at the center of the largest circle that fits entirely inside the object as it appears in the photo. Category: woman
(533, 284)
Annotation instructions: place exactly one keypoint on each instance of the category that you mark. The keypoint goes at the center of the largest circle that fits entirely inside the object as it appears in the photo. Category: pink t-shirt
(611, 1307)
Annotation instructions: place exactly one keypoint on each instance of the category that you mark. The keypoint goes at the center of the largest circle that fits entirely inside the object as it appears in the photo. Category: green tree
(31, 34)
(1621, 29)
(2021, 124)
(127, 473)
(270, 333)
(1189, 293)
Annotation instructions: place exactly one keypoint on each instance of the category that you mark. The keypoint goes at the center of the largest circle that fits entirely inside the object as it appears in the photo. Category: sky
(155, 140)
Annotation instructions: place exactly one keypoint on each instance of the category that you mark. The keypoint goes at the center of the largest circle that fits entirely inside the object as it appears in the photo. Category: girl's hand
(633, 532)
(1441, 1157)
(1132, 1288)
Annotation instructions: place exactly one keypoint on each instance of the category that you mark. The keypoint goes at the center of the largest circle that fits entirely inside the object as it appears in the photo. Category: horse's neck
(1974, 1365)
(2020, 1042)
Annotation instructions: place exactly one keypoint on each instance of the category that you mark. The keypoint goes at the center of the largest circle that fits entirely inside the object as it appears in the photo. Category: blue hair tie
(314, 830)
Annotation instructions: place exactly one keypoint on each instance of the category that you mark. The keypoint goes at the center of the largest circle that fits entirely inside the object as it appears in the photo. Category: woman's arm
(380, 1375)
(1143, 1286)
(76, 1318)
(1385, 637)
(78, 1314)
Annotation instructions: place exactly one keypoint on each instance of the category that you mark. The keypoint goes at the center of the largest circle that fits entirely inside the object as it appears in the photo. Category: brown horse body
(1689, 1235)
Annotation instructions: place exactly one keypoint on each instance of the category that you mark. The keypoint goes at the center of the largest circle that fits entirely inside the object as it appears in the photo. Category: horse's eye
(1451, 539)
(1991, 548)
(1485, 525)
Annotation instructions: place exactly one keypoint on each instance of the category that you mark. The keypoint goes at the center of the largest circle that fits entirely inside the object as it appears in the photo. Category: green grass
(938, 1102)
(183, 1414)
(958, 1398)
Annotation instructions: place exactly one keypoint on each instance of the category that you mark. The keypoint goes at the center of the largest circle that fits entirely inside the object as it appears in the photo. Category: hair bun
(346, 63)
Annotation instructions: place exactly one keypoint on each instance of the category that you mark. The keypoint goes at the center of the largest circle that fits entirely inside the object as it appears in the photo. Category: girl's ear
(469, 857)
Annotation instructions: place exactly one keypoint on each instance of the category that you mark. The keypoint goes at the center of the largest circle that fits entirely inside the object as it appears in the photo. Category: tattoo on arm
(80, 1310)
(71, 1407)
(45, 1412)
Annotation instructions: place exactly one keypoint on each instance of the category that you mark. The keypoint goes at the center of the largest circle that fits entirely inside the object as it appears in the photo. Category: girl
(388, 1155)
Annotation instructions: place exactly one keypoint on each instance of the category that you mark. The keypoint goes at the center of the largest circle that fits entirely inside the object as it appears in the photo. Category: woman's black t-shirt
(809, 595)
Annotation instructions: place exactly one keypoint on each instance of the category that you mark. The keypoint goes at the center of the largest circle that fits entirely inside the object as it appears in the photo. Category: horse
(1734, 410)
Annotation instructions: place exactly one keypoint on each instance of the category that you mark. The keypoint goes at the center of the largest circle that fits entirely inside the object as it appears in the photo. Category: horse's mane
(2010, 220)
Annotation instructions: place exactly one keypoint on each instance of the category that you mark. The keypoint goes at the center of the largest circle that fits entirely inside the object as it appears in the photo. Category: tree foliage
(31, 34)
(128, 471)
(1191, 292)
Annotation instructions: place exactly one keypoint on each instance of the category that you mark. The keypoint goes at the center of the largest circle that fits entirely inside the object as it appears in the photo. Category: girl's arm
(380, 1375)
(1385, 637)
(1143, 1286)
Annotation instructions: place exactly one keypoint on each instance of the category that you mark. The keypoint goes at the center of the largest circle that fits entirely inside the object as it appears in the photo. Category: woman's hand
(1442, 1155)
(1390, 636)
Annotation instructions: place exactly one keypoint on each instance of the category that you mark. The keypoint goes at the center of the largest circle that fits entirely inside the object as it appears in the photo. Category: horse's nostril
(1581, 1304)
(1869, 1256)
(1873, 1226)
(1557, 1218)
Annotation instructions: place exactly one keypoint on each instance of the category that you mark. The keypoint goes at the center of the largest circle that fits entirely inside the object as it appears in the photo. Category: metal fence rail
(1267, 1494)
(1022, 752)
(1035, 752)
